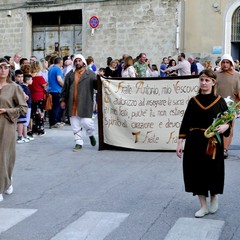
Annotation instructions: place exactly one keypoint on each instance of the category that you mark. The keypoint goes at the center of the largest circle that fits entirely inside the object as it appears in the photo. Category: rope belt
(200, 129)
(212, 143)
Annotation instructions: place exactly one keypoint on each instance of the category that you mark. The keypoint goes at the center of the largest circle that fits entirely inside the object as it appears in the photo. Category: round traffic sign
(94, 22)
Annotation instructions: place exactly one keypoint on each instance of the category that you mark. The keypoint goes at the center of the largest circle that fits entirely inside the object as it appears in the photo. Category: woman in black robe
(203, 173)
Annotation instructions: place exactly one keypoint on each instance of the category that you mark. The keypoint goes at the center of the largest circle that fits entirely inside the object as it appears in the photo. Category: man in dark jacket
(77, 98)
(194, 69)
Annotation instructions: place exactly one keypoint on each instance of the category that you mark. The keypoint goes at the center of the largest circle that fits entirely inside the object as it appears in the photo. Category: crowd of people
(140, 66)
(49, 74)
(23, 85)
(72, 83)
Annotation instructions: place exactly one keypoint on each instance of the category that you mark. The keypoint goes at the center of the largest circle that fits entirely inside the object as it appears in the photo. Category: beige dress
(13, 100)
(228, 84)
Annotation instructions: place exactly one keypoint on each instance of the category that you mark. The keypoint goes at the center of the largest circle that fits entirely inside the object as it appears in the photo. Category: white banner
(145, 114)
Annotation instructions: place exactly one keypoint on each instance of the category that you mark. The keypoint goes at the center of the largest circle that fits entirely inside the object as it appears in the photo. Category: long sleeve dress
(201, 172)
(13, 100)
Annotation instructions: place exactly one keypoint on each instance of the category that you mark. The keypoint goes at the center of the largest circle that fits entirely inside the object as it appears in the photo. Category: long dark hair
(171, 61)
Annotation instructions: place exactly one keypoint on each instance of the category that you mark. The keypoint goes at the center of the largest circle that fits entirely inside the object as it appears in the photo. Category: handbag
(47, 101)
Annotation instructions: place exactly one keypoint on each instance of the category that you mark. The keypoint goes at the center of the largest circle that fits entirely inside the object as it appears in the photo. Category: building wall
(146, 26)
(126, 26)
(206, 27)
(203, 29)
(130, 26)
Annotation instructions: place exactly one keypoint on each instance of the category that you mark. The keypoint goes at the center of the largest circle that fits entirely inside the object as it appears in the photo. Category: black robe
(201, 172)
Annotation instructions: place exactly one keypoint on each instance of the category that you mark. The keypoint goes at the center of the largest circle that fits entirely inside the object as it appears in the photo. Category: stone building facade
(158, 27)
(125, 26)
(211, 27)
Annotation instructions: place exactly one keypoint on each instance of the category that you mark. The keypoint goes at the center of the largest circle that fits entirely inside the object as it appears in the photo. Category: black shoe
(92, 140)
(42, 133)
(77, 148)
(30, 134)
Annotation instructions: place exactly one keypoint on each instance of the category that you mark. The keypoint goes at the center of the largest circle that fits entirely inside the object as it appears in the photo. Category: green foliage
(224, 117)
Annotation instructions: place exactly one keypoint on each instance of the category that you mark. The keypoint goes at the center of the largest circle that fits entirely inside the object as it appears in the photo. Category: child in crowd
(101, 71)
(23, 121)
(22, 118)
(19, 76)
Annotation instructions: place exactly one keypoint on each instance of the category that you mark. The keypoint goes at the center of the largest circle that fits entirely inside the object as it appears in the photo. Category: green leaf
(218, 137)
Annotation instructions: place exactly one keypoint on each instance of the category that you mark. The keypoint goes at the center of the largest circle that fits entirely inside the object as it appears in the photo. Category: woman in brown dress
(12, 105)
(203, 172)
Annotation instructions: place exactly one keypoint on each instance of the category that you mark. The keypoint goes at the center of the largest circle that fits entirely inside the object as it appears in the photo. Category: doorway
(57, 33)
(235, 35)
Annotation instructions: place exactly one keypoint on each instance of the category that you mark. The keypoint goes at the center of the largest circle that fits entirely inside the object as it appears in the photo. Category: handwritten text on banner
(145, 114)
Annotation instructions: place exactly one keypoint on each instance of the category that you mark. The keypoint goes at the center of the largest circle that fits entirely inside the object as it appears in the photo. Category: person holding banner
(203, 159)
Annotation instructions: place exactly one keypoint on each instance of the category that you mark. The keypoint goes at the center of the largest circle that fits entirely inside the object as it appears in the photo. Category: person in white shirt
(127, 68)
(200, 67)
(16, 60)
(155, 70)
(183, 67)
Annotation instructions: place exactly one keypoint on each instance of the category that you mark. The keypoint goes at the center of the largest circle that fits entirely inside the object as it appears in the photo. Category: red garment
(37, 88)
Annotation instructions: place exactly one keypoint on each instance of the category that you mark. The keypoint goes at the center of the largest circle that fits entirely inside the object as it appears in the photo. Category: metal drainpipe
(184, 23)
(59, 26)
(177, 37)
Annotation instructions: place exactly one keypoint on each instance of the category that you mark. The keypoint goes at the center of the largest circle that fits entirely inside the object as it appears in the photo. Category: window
(57, 18)
(236, 26)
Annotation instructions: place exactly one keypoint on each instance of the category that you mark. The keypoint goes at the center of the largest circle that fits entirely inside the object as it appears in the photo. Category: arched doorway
(235, 34)
(231, 45)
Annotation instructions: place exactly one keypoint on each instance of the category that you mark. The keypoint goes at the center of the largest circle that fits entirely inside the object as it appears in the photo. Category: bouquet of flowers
(222, 118)
(211, 133)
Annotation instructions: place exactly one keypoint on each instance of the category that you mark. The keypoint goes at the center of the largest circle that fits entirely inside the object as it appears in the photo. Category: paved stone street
(110, 195)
